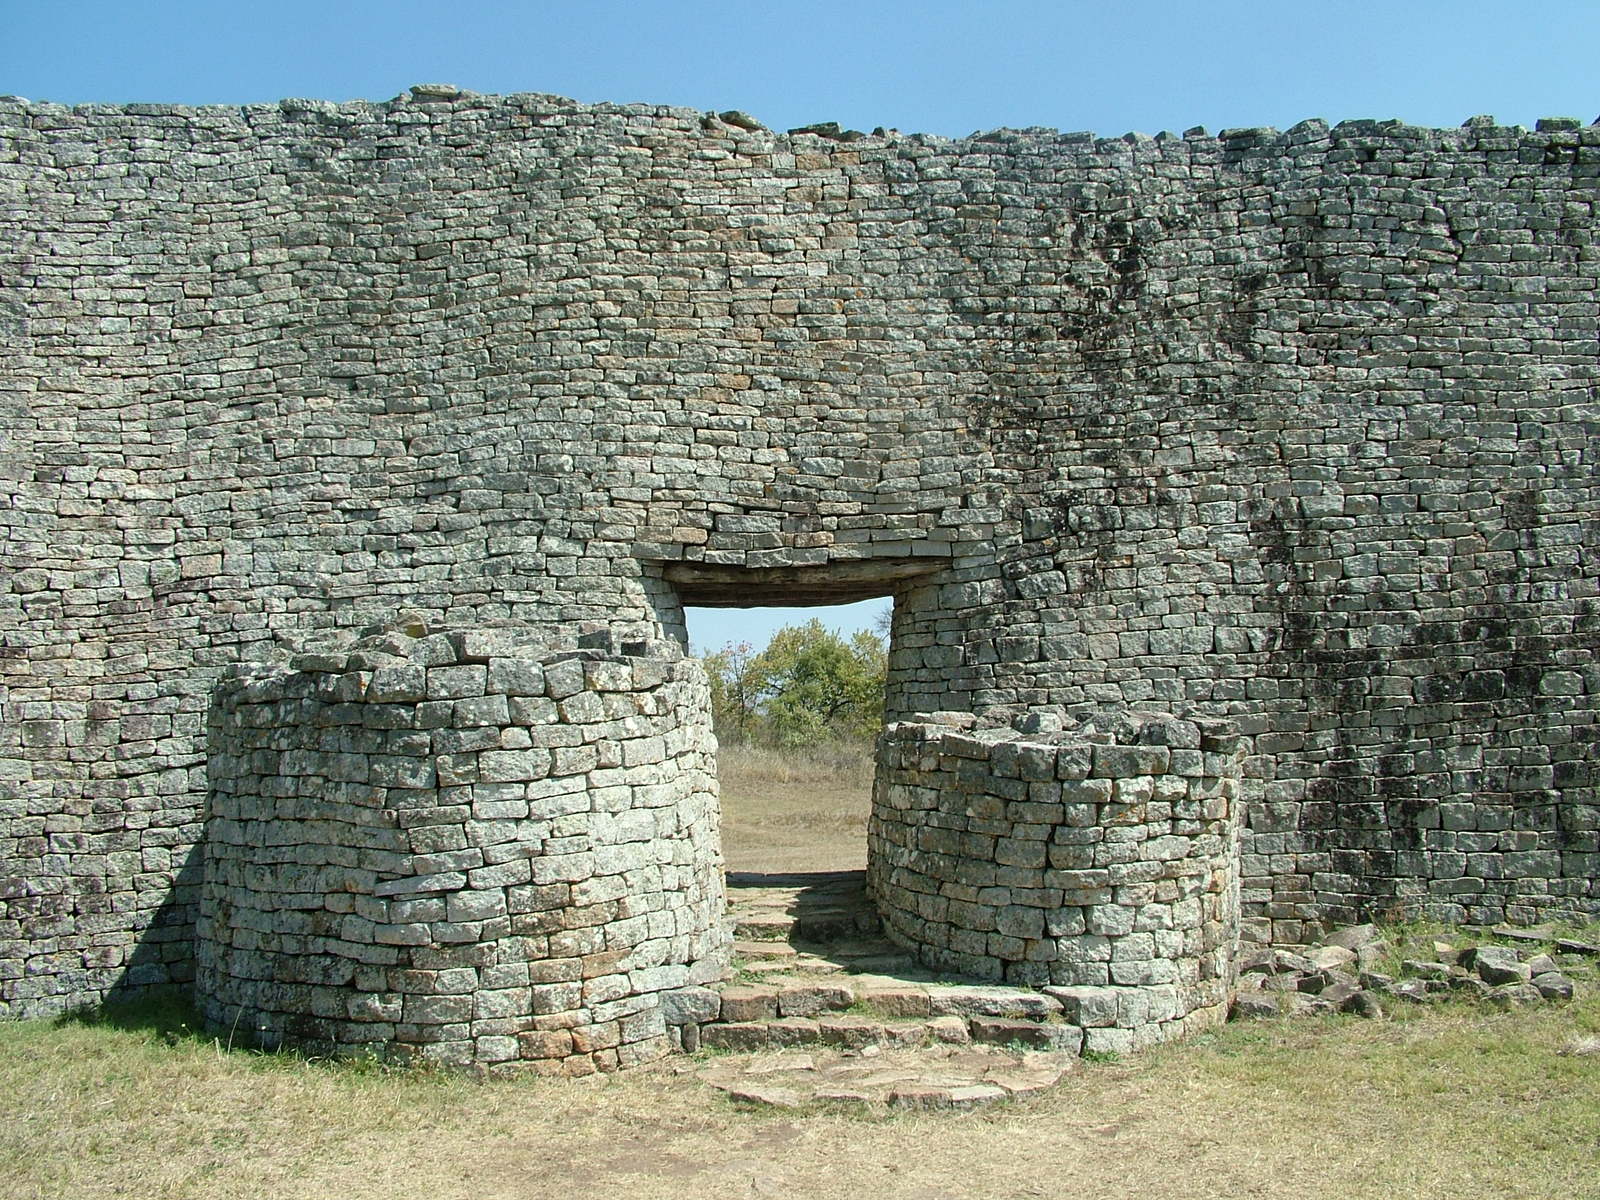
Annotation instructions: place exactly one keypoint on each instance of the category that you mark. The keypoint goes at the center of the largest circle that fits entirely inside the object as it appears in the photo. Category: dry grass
(1458, 1100)
(1454, 1101)
(795, 810)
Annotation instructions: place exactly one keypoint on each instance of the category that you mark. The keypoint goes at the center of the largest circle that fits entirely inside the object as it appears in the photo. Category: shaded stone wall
(460, 849)
(1103, 860)
(1295, 427)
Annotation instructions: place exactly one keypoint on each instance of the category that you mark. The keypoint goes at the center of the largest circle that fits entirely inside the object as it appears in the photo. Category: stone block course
(1295, 428)
(1138, 936)
(463, 956)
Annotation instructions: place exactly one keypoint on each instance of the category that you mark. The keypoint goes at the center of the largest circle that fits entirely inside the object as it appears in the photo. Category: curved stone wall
(1296, 427)
(462, 849)
(1101, 862)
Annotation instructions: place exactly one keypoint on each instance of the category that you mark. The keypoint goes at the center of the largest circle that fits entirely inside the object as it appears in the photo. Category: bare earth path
(788, 814)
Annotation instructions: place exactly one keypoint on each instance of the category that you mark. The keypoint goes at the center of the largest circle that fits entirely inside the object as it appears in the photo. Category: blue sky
(934, 66)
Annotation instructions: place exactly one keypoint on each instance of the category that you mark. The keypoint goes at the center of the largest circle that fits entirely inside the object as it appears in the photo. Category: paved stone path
(928, 1077)
(823, 1007)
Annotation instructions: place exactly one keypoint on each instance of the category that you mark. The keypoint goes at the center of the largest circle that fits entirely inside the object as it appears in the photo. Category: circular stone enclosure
(1101, 864)
(463, 849)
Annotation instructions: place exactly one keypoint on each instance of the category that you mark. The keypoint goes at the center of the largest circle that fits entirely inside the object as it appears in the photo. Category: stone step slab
(742, 1004)
(933, 1077)
(836, 1029)
(765, 949)
(809, 999)
(762, 927)
(993, 1001)
(1036, 1035)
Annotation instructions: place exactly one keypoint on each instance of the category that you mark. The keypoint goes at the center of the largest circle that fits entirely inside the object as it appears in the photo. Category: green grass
(1415, 940)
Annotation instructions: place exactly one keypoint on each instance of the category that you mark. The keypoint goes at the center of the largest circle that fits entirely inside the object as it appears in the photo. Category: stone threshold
(822, 1007)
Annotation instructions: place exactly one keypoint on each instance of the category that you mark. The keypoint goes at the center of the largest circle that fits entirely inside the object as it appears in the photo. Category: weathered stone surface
(1086, 1006)
(896, 1000)
(1552, 985)
(1512, 995)
(1128, 891)
(967, 999)
(809, 999)
(1265, 426)
(1353, 937)
(1540, 964)
(1331, 958)
(1339, 992)
(1289, 962)
(772, 1095)
(1499, 965)
(1037, 1035)
(1317, 982)
(1469, 984)
(951, 1030)
(736, 1036)
(843, 1029)
(1362, 1004)
(1255, 1005)
(792, 1031)
(1413, 990)
(690, 1005)
(352, 899)
(748, 1003)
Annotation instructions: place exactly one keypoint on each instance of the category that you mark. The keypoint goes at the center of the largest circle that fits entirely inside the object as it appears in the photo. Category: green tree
(808, 686)
(734, 690)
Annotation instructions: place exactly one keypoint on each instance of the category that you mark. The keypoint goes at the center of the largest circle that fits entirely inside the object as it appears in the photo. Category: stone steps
(938, 1077)
(826, 907)
(823, 1008)
(812, 969)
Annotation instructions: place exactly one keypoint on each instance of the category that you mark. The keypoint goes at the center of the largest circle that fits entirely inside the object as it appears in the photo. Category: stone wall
(1295, 427)
(462, 849)
(1103, 860)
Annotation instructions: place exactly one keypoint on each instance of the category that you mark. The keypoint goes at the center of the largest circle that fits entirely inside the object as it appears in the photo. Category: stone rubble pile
(1357, 970)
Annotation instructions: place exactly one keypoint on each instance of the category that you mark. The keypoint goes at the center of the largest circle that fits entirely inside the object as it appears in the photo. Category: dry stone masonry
(1296, 429)
(1102, 861)
(456, 848)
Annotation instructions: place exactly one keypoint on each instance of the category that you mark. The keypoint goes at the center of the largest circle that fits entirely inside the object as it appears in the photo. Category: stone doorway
(796, 782)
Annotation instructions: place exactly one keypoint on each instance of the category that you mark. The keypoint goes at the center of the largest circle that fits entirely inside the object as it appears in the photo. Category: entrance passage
(797, 698)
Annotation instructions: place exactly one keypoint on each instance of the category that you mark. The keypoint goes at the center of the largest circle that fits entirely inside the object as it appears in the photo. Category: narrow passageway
(797, 695)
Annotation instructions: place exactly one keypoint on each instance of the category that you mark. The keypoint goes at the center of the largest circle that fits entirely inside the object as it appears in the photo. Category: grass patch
(1442, 1100)
(795, 810)
(836, 764)
(1417, 940)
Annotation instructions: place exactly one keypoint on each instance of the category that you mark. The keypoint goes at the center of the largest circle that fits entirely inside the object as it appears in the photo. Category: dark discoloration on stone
(1292, 427)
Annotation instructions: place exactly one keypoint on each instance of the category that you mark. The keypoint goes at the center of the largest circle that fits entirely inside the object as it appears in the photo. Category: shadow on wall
(161, 963)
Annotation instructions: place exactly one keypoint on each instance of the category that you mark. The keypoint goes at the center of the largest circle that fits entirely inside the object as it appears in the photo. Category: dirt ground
(792, 813)
(1454, 1103)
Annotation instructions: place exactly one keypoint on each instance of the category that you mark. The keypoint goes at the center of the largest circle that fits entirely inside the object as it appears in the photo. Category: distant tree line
(808, 686)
